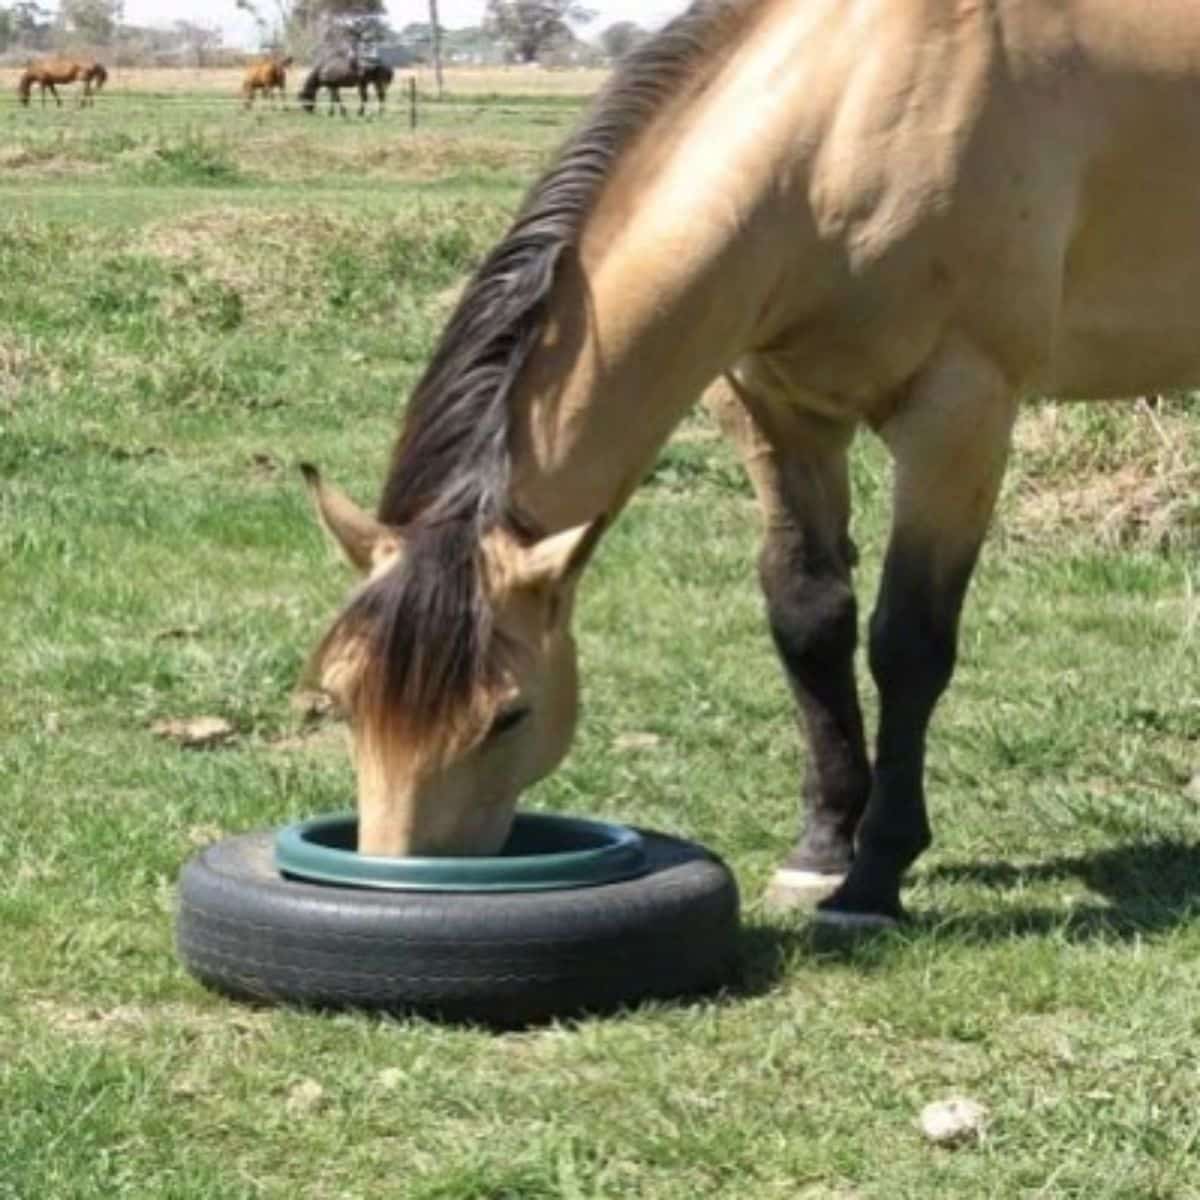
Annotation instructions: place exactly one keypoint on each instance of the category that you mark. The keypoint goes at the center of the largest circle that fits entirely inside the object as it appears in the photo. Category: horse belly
(1129, 319)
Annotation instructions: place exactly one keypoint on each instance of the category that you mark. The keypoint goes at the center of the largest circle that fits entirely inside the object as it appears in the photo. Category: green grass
(192, 306)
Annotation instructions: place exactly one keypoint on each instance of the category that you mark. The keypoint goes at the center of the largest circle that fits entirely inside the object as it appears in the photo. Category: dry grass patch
(19, 362)
(80, 1021)
(266, 257)
(279, 263)
(289, 155)
(516, 81)
(1116, 475)
(27, 158)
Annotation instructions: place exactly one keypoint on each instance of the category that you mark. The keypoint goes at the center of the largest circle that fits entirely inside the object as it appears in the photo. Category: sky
(455, 14)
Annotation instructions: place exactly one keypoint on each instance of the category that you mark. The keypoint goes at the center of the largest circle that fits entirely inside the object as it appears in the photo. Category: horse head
(456, 669)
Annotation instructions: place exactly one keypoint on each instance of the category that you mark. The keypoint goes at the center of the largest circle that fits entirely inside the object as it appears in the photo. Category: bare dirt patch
(122, 1022)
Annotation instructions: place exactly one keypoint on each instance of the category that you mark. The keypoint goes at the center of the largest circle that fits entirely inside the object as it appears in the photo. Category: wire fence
(407, 102)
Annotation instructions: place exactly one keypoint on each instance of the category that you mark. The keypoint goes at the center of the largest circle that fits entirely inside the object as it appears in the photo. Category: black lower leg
(813, 618)
(912, 652)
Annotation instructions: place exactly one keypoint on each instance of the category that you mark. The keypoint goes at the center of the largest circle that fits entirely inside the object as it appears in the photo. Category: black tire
(506, 959)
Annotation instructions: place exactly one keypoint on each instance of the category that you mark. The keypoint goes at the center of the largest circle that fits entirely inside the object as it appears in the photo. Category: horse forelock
(421, 643)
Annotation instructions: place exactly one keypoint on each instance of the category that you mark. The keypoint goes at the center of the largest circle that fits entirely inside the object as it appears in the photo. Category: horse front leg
(949, 440)
(797, 464)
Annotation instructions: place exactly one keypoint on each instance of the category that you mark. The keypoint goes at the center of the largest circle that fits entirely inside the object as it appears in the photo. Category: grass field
(191, 302)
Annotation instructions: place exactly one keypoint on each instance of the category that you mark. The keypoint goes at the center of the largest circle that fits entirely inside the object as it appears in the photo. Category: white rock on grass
(956, 1121)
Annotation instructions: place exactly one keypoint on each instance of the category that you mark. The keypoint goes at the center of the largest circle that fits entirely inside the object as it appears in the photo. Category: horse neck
(631, 340)
(677, 269)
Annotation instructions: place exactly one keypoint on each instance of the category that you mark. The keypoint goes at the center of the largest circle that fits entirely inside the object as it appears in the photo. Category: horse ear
(364, 541)
(558, 559)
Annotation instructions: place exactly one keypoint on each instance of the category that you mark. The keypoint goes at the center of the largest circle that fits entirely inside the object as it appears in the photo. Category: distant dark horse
(345, 70)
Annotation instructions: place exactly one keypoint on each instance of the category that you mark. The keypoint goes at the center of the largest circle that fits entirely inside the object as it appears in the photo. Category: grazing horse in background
(904, 216)
(377, 75)
(341, 70)
(268, 76)
(48, 72)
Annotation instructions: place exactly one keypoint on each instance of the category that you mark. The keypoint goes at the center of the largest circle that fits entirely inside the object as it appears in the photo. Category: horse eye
(507, 720)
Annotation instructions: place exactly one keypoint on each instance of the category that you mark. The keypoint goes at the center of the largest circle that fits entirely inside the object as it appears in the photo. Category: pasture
(193, 300)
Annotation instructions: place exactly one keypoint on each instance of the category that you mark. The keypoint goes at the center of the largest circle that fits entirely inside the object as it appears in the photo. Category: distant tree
(359, 30)
(621, 37)
(31, 24)
(298, 24)
(352, 8)
(200, 42)
(8, 29)
(528, 27)
(96, 21)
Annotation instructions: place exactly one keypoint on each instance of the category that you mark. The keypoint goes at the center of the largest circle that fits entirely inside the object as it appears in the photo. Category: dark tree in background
(280, 22)
(300, 25)
(530, 26)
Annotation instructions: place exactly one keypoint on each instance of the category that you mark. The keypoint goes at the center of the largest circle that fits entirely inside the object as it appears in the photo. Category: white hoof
(791, 889)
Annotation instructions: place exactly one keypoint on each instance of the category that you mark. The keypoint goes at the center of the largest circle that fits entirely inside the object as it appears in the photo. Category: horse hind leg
(949, 440)
(798, 466)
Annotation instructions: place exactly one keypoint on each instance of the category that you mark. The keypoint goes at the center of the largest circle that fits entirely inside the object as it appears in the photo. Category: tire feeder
(574, 916)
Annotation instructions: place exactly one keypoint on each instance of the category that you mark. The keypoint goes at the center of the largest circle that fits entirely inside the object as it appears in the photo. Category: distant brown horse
(268, 76)
(47, 72)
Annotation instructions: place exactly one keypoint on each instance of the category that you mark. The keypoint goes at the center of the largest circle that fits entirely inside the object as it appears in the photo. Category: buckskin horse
(905, 215)
(268, 76)
(49, 72)
(346, 70)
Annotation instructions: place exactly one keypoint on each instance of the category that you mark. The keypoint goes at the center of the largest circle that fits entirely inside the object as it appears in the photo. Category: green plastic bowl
(543, 851)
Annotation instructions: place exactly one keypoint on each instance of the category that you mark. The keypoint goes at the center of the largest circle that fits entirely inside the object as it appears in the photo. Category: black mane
(428, 621)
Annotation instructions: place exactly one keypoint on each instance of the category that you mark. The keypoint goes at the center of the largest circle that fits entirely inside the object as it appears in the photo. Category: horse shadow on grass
(1140, 890)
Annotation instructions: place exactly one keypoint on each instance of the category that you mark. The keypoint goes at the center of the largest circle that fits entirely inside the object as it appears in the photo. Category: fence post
(412, 102)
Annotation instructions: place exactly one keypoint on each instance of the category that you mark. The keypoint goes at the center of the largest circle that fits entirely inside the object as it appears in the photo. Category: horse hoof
(839, 918)
(792, 890)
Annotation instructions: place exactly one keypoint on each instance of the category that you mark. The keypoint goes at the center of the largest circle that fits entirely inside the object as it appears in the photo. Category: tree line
(523, 31)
